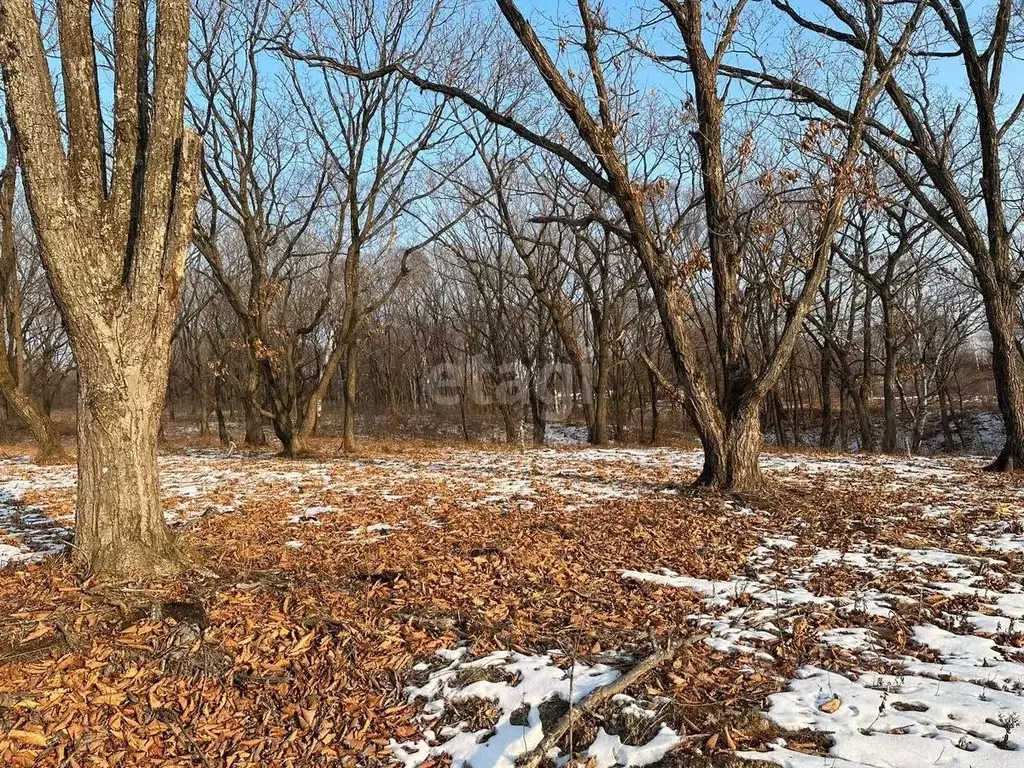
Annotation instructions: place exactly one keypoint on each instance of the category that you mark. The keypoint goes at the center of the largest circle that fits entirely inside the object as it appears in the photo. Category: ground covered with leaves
(427, 606)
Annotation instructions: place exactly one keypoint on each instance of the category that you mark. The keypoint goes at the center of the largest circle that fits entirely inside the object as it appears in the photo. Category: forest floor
(426, 606)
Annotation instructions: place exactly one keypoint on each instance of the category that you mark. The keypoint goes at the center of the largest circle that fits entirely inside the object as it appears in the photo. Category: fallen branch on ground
(534, 758)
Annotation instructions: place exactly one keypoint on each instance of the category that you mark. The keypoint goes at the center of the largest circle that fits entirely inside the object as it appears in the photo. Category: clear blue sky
(948, 72)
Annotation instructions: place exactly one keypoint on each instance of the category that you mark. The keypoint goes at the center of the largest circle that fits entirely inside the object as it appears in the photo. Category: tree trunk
(511, 423)
(537, 414)
(49, 449)
(888, 377)
(778, 412)
(113, 232)
(218, 405)
(202, 396)
(292, 444)
(314, 404)
(599, 429)
(1008, 368)
(945, 415)
(119, 524)
(351, 380)
(827, 424)
(732, 458)
(254, 433)
(655, 411)
(859, 394)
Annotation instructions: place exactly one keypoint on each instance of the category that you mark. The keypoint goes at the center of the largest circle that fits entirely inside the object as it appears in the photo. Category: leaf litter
(427, 607)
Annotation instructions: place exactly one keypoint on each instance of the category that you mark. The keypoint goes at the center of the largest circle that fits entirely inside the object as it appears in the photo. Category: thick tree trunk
(254, 433)
(1008, 369)
(511, 423)
(113, 232)
(732, 459)
(119, 526)
(292, 444)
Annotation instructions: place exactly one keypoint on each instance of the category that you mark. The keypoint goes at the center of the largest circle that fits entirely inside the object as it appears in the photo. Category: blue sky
(948, 72)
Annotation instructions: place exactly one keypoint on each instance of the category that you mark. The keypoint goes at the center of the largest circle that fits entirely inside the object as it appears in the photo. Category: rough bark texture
(113, 248)
(254, 435)
(119, 524)
(732, 460)
(1008, 367)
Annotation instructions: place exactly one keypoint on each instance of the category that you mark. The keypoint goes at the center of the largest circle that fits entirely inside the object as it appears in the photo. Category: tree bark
(732, 458)
(828, 432)
(599, 397)
(889, 346)
(292, 444)
(113, 238)
(119, 522)
(1008, 367)
(223, 435)
(351, 381)
(655, 411)
(537, 409)
(255, 436)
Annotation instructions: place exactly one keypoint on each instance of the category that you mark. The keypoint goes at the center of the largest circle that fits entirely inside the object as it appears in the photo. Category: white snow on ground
(899, 721)
(957, 700)
(565, 434)
(516, 686)
(949, 696)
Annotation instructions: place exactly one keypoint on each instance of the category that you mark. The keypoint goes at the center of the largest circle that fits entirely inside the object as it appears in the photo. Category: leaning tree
(952, 149)
(12, 375)
(113, 212)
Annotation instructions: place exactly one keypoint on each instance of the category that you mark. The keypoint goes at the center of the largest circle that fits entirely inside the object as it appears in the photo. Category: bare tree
(949, 154)
(113, 232)
(264, 228)
(387, 146)
(728, 421)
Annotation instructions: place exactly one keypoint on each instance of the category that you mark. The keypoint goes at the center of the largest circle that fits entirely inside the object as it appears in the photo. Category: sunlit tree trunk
(114, 249)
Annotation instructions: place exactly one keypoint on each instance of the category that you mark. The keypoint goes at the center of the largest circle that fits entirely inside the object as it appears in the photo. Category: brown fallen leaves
(282, 656)
(303, 654)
